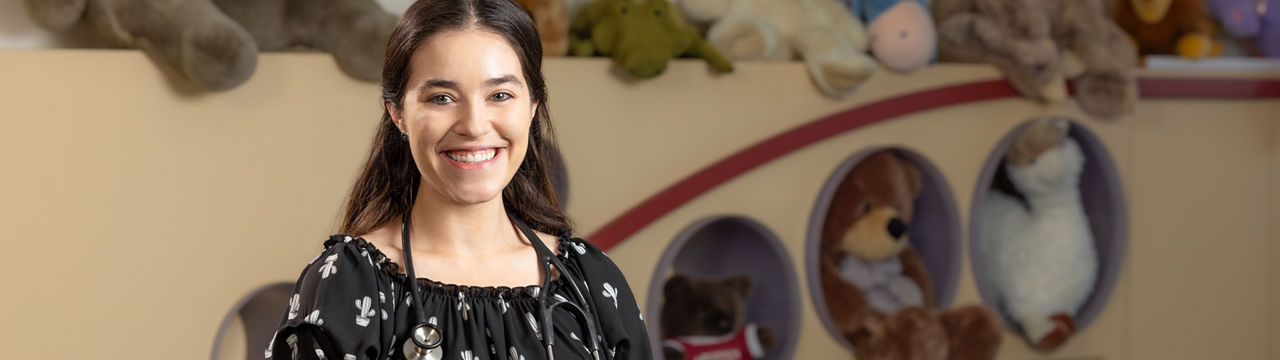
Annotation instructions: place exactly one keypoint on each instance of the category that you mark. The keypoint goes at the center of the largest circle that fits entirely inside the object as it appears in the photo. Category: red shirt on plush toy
(740, 345)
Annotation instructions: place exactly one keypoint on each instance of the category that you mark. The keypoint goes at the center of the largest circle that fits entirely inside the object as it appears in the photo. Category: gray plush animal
(213, 44)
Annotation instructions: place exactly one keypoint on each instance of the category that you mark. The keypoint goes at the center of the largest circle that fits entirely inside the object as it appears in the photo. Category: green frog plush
(640, 36)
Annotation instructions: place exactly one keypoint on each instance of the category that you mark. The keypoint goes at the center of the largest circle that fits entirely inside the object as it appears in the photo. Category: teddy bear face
(871, 211)
(704, 307)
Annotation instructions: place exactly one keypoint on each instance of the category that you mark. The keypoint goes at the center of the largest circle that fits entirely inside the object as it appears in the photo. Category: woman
(456, 190)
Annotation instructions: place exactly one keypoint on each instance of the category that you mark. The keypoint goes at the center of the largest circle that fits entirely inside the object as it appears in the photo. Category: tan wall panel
(1200, 248)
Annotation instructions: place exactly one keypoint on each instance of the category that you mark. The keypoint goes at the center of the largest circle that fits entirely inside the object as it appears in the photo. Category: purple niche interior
(935, 231)
(722, 246)
(1103, 197)
(260, 311)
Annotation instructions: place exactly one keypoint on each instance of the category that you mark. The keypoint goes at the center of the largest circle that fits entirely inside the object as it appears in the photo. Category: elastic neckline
(436, 287)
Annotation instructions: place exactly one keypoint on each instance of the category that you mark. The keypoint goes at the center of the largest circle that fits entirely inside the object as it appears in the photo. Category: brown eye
(501, 96)
(440, 99)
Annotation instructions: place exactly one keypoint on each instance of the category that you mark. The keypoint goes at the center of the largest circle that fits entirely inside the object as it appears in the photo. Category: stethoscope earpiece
(424, 343)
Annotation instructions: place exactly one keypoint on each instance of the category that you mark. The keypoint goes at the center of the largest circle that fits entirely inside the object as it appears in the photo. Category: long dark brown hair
(390, 179)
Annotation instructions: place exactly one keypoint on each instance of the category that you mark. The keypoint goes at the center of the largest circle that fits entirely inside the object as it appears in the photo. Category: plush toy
(870, 220)
(214, 44)
(901, 32)
(1251, 19)
(1026, 40)
(1181, 27)
(552, 19)
(706, 318)
(1036, 246)
(641, 36)
(831, 42)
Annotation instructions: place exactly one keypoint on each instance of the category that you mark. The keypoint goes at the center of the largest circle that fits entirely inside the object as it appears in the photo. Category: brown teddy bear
(552, 19)
(214, 44)
(704, 316)
(1181, 27)
(869, 218)
(1027, 40)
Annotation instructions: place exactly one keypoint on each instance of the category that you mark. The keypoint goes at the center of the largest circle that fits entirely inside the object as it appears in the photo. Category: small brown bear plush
(706, 308)
(870, 217)
(1181, 27)
(552, 19)
(1027, 41)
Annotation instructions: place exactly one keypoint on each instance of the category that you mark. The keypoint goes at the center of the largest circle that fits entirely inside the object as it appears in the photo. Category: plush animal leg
(354, 32)
(193, 39)
(703, 50)
(1107, 87)
(1063, 327)
(1032, 67)
(747, 39)
(56, 15)
(913, 333)
(835, 66)
(973, 332)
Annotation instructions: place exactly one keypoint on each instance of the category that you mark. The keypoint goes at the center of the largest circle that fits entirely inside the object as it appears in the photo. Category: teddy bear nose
(897, 228)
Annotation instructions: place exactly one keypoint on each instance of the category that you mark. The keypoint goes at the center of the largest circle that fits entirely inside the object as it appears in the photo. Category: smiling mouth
(471, 156)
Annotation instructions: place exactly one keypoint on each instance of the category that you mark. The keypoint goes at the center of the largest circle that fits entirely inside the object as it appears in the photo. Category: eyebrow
(453, 85)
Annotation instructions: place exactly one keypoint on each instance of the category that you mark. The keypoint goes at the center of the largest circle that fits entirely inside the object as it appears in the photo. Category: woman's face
(467, 111)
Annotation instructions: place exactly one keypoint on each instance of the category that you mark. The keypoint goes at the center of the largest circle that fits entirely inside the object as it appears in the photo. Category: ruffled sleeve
(622, 323)
(339, 306)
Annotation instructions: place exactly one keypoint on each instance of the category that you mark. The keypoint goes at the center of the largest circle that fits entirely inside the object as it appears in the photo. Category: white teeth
(471, 157)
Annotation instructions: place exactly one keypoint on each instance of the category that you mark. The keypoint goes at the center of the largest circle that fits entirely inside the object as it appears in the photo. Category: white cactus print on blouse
(365, 310)
(293, 307)
(320, 354)
(612, 293)
(329, 268)
(314, 318)
(581, 249)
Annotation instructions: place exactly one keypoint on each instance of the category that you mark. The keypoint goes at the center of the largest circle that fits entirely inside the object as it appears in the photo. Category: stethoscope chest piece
(424, 344)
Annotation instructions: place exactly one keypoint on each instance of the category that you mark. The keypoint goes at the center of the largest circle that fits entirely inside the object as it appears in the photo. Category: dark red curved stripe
(765, 151)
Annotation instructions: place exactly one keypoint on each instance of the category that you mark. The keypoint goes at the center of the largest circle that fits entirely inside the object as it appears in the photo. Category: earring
(404, 135)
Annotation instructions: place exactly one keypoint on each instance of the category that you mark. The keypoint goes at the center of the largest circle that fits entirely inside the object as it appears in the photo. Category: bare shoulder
(386, 238)
(551, 241)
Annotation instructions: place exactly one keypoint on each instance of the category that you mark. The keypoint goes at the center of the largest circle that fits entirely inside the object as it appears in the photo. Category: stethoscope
(425, 341)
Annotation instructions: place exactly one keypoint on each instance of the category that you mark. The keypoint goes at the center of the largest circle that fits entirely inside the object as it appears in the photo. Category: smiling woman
(457, 188)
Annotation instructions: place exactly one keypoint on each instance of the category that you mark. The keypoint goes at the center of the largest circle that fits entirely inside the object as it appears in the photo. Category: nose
(897, 228)
(473, 121)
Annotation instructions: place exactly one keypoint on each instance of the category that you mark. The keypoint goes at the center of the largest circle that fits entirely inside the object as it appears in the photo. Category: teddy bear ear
(677, 284)
(914, 178)
(741, 283)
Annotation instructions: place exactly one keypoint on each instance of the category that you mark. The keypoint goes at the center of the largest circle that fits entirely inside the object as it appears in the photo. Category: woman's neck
(447, 228)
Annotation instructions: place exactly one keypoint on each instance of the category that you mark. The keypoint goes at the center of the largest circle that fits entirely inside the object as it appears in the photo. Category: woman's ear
(533, 111)
(395, 115)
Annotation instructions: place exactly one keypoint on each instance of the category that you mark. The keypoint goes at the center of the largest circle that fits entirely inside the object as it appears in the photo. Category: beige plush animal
(823, 33)
(1028, 40)
(214, 44)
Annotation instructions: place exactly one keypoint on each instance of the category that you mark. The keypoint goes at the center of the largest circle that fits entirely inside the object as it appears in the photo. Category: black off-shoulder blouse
(352, 302)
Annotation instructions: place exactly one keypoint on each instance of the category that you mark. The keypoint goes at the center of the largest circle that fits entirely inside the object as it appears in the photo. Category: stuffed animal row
(214, 44)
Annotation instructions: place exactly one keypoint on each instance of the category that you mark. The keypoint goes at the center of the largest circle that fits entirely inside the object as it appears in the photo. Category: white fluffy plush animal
(823, 33)
(1040, 255)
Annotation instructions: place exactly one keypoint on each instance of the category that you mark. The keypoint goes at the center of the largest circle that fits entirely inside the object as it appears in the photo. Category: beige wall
(146, 214)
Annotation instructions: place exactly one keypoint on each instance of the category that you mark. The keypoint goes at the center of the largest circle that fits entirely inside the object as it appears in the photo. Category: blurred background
(162, 192)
